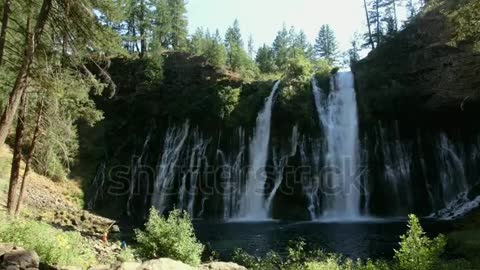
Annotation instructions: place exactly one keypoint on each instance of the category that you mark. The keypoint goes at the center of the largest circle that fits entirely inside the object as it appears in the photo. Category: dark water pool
(369, 239)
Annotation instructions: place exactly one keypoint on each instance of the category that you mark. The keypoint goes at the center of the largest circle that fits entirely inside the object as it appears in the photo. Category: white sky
(263, 18)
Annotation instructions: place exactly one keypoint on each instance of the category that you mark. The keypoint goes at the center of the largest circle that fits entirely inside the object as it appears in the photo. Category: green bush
(54, 246)
(172, 237)
(417, 251)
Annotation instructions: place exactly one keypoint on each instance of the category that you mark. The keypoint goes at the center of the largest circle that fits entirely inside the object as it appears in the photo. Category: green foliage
(54, 246)
(171, 237)
(299, 68)
(126, 255)
(265, 59)
(323, 71)
(211, 47)
(229, 99)
(326, 46)
(66, 99)
(466, 23)
(299, 259)
(417, 251)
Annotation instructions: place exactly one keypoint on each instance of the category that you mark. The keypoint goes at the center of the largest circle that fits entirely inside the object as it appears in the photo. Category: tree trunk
(370, 38)
(33, 39)
(28, 160)
(143, 41)
(395, 15)
(377, 18)
(17, 157)
(3, 31)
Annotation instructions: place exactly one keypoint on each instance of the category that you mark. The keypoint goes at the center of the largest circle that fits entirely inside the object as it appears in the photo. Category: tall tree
(326, 44)
(3, 32)
(234, 46)
(265, 59)
(281, 48)
(17, 157)
(251, 46)
(353, 52)
(369, 34)
(179, 23)
(162, 24)
(215, 50)
(32, 41)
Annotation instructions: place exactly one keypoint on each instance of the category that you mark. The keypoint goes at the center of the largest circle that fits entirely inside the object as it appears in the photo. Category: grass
(54, 246)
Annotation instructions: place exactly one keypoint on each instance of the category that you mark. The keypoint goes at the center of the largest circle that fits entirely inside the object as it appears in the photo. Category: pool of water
(362, 239)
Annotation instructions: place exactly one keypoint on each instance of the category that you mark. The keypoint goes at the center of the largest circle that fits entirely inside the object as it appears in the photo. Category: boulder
(100, 267)
(128, 266)
(5, 248)
(221, 266)
(164, 264)
(22, 259)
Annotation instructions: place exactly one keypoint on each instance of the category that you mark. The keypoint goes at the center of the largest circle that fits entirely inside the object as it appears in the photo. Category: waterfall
(173, 145)
(97, 185)
(454, 188)
(195, 157)
(312, 184)
(280, 161)
(252, 205)
(232, 173)
(398, 159)
(134, 176)
(337, 111)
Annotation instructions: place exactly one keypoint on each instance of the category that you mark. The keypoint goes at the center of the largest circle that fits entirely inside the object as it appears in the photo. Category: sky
(264, 18)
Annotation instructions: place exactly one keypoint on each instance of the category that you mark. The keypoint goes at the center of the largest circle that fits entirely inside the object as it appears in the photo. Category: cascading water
(134, 177)
(252, 205)
(232, 175)
(397, 156)
(188, 189)
(337, 111)
(280, 161)
(174, 142)
(454, 187)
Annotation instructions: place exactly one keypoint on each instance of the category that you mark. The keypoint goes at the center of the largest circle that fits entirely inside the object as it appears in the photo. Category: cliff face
(418, 76)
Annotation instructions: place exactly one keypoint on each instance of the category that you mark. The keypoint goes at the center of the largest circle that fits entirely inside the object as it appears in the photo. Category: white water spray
(337, 112)
(252, 205)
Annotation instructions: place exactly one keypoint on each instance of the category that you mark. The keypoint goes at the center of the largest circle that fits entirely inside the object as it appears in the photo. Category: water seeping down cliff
(338, 170)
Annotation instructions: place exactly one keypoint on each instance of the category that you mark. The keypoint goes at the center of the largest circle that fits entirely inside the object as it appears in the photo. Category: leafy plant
(417, 251)
(54, 246)
(171, 237)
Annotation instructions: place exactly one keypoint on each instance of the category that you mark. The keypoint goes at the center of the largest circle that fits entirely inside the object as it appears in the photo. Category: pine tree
(234, 46)
(265, 59)
(251, 45)
(281, 48)
(198, 42)
(162, 25)
(179, 23)
(326, 45)
(3, 32)
(215, 51)
(353, 52)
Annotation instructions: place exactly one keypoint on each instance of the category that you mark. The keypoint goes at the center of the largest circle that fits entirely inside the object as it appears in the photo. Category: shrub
(54, 246)
(417, 251)
(172, 237)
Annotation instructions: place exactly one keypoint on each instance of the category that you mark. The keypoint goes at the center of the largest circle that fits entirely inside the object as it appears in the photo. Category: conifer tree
(179, 23)
(326, 44)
